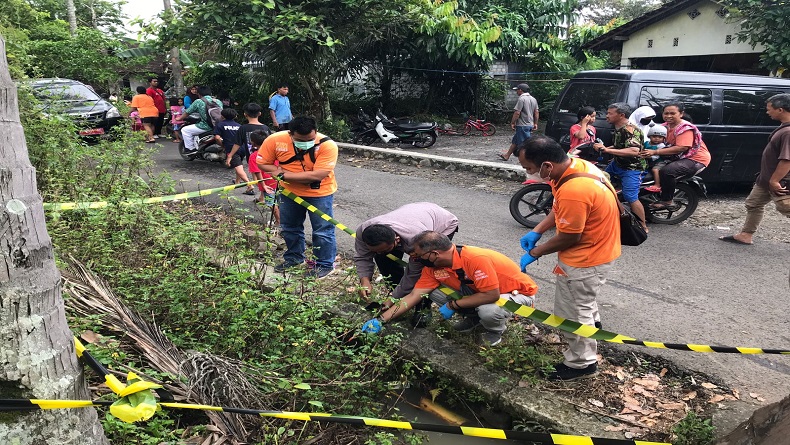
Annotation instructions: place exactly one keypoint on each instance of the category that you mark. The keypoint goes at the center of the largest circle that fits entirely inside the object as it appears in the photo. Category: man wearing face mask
(587, 240)
(479, 276)
(307, 161)
(392, 234)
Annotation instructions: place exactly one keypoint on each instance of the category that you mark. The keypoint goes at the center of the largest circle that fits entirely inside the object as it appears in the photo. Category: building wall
(706, 34)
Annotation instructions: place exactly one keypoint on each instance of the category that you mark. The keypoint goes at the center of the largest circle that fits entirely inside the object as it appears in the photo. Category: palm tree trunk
(71, 12)
(37, 357)
(175, 62)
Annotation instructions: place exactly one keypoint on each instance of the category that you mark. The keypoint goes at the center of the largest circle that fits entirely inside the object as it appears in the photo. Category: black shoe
(598, 325)
(468, 324)
(420, 319)
(565, 373)
(282, 267)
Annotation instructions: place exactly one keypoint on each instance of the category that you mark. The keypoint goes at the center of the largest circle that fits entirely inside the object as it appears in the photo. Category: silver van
(729, 109)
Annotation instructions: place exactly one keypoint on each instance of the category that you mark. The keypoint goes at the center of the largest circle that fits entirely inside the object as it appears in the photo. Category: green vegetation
(694, 430)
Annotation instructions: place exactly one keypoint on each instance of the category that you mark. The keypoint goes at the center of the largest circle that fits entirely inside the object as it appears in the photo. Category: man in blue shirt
(280, 108)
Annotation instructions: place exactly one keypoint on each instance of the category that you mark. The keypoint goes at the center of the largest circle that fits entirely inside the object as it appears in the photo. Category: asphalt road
(681, 286)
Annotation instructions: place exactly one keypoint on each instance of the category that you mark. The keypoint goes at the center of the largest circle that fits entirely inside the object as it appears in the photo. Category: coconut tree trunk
(37, 357)
(71, 13)
(175, 62)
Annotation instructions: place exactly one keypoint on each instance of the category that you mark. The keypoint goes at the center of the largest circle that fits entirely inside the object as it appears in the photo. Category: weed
(694, 430)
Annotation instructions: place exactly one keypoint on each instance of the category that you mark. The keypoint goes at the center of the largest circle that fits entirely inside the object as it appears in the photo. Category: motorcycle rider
(627, 164)
(198, 106)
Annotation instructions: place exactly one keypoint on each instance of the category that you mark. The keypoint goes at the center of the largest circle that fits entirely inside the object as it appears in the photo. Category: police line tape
(489, 433)
(57, 206)
(558, 322)
(594, 333)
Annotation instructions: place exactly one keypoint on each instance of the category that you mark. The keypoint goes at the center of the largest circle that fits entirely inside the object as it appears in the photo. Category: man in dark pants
(392, 234)
(159, 101)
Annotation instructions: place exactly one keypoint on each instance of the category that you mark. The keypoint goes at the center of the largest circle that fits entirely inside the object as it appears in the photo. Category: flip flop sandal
(502, 157)
(732, 239)
(250, 192)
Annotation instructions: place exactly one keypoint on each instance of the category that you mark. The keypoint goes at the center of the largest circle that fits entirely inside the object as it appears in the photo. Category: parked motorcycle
(530, 205)
(418, 134)
(207, 147)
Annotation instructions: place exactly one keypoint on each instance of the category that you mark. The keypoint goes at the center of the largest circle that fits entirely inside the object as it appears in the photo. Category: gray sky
(145, 9)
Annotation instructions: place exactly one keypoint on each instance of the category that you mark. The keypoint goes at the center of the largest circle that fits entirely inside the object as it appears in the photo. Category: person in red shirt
(480, 276)
(159, 102)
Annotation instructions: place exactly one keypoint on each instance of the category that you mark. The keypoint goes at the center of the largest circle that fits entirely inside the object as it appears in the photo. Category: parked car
(94, 116)
(729, 109)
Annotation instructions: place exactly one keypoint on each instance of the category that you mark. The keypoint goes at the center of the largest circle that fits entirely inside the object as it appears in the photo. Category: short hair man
(587, 240)
(525, 118)
(627, 142)
(773, 182)
(307, 162)
(393, 234)
(480, 276)
(159, 101)
(280, 108)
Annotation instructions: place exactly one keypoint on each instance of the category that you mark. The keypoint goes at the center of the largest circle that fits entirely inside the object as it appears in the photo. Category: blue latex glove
(529, 240)
(372, 326)
(526, 260)
(446, 311)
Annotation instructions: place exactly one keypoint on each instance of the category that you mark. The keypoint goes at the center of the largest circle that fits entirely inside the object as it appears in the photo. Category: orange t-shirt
(686, 139)
(487, 268)
(279, 147)
(145, 105)
(588, 207)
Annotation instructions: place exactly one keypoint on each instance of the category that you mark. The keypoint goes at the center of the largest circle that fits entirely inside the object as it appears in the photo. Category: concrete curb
(417, 159)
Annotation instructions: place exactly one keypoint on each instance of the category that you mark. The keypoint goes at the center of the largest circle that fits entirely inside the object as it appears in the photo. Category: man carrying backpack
(210, 110)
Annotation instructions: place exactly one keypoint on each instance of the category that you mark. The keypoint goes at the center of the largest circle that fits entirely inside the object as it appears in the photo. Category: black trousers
(670, 172)
(158, 123)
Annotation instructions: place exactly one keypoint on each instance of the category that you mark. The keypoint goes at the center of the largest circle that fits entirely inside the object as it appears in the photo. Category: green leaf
(304, 386)
(316, 403)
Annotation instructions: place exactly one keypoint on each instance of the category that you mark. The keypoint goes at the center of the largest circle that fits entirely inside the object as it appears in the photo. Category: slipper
(150, 142)
(661, 206)
(653, 189)
(732, 239)
(502, 157)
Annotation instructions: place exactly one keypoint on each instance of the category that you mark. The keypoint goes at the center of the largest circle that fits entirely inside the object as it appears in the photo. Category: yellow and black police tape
(599, 334)
(490, 433)
(558, 322)
(61, 206)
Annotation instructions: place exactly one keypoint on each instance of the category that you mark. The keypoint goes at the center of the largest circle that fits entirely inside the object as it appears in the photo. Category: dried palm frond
(210, 379)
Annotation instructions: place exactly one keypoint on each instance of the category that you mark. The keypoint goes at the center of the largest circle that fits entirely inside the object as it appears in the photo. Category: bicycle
(487, 128)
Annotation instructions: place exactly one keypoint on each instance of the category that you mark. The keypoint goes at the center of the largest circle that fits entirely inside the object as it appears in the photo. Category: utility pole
(175, 60)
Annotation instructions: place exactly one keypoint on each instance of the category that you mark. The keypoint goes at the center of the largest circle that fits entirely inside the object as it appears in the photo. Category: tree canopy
(760, 22)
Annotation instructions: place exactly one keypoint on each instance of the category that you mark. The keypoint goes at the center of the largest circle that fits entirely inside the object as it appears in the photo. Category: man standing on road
(306, 167)
(587, 239)
(627, 142)
(280, 108)
(159, 101)
(524, 120)
(391, 234)
(773, 182)
(480, 276)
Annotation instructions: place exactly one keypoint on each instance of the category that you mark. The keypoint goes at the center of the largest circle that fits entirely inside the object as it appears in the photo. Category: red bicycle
(487, 128)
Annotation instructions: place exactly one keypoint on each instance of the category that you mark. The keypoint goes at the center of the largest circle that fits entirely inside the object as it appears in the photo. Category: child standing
(176, 111)
(137, 124)
(226, 133)
(656, 138)
(268, 195)
(242, 149)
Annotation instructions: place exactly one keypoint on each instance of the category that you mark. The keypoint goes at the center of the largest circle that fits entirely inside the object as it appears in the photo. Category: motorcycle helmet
(657, 130)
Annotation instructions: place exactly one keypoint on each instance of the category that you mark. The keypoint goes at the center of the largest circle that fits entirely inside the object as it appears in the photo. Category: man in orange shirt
(306, 168)
(587, 219)
(480, 276)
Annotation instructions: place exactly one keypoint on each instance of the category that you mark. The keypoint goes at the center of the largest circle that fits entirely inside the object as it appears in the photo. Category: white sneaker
(156, 136)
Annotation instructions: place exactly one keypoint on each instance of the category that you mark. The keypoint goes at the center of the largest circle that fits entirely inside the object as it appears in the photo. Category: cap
(522, 86)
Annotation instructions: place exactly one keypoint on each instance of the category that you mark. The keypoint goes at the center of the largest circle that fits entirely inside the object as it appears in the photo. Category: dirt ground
(719, 212)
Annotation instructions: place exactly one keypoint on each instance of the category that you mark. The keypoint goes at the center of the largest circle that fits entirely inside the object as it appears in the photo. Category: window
(675, 41)
(696, 100)
(747, 107)
(65, 92)
(597, 95)
(728, 39)
(650, 43)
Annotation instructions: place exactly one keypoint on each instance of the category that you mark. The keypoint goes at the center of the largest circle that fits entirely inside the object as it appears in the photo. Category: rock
(424, 163)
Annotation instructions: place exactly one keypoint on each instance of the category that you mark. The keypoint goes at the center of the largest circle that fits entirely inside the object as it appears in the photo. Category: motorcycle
(207, 147)
(530, 204)
(368, 131)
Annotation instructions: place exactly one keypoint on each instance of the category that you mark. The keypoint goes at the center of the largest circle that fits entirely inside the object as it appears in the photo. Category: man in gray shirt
(524, 120)
(392, 233)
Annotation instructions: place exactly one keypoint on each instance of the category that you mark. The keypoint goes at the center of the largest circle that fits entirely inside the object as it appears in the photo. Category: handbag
(632, 233)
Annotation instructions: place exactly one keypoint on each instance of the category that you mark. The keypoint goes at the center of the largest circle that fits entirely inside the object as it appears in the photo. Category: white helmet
(657, 130)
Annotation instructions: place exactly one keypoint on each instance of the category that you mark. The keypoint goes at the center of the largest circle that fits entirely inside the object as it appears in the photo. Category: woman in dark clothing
(192, 95)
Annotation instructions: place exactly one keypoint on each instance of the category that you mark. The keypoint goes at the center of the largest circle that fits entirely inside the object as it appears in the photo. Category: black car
(94, 116)
(729, 110)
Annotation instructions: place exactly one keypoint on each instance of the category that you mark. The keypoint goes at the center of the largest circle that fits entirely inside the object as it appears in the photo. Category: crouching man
(480, 276)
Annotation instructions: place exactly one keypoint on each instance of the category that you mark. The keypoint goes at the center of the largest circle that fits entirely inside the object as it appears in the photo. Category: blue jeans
(522, 134)
(630, 180)
(292, 216)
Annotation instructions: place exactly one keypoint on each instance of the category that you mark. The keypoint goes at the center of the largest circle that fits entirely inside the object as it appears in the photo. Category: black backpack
(213, 112)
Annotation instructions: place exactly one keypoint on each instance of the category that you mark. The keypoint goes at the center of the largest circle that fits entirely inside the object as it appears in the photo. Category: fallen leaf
(736, 393)
(663, 372)
(707, 385)
(690, 395)
(614, 428)
(640, 390)
(754, 395)
(672, 405)
(594, 402)
(716, 398)
(650, 385)
(523, 384)
(90, 336)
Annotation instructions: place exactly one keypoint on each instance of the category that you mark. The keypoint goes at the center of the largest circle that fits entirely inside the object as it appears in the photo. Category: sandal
(502, 157)
(662, 206)
(250, 192)
(653, 189)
